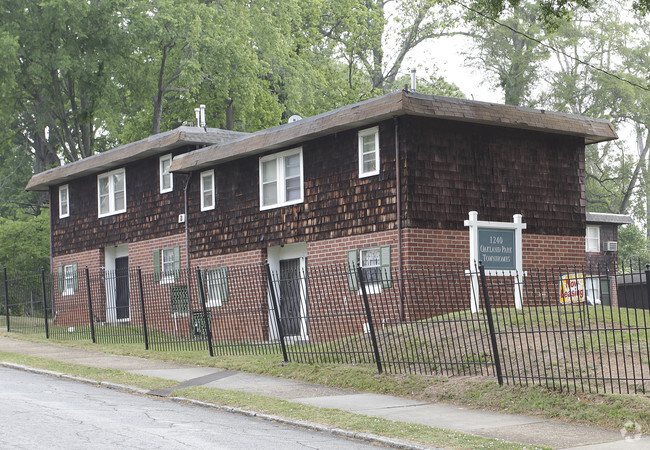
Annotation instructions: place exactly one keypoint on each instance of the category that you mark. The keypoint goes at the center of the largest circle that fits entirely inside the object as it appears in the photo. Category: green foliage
(25, 243)
(507, 53)
(632, 245)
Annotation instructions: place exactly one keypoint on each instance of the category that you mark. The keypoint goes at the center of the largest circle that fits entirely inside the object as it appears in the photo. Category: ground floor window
(375, 264)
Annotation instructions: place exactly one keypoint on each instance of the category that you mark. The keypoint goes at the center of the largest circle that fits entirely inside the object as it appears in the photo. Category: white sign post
(499, 246)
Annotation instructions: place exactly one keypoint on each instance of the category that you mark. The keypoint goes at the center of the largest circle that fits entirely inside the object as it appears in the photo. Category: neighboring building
(601, 247)
(601, 238)
(386, 183)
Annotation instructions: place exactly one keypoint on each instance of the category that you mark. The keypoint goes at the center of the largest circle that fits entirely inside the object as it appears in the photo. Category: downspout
(187, 256)
(398, 182)
(187, 232)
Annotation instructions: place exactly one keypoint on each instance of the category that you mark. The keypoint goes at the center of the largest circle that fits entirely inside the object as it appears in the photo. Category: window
(216, 286)
(111, 193)
(369, 152)
(592, 241)
(67, 275)
(207, 190)
(592, 290)
(166, 178)
(281, 179)
(64, 201)
(166, 264)
(375, 264)
(370, 263)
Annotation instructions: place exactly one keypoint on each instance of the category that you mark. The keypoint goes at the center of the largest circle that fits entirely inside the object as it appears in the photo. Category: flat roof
(394, 105)
(619, 219)
(152, 145)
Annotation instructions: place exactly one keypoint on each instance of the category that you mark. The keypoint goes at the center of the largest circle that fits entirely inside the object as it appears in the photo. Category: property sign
(496, 248)
(572, 288)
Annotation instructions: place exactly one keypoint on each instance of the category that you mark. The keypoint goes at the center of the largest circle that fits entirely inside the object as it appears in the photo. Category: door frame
(110, 255)
(274, 256)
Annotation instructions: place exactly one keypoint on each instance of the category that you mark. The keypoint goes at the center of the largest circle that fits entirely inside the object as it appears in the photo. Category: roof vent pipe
(413, 79)
(197, 114)
(202, 115)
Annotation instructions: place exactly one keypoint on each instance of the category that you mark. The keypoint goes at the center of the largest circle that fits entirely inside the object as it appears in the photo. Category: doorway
(288, 265)
(122, 288)
(116, 264)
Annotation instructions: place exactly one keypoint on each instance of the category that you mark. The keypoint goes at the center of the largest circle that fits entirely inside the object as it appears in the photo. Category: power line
(550, 47)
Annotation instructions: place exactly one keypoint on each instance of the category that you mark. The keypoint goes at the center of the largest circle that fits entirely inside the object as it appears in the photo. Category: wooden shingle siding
(337, 202)
(149, 214)
(453, 168)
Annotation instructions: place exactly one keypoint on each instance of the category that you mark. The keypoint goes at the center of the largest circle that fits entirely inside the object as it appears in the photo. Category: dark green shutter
(384, 257)
(352, 270)
(75, 278)
(156, 265)
(59, 278)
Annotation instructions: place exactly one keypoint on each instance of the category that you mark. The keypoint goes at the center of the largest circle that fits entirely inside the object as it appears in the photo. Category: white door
(288, 266)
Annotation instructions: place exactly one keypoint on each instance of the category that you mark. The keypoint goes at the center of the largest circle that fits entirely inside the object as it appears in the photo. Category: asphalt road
(37, 411)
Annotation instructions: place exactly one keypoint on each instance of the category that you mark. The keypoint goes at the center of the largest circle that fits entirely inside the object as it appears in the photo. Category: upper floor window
(64, 201)
(166, 178)
(207, 190)
(368, 152)
(592, 240)
(111, 192)
(281, 179)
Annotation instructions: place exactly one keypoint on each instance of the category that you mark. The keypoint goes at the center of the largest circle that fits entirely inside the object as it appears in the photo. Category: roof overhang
(153, 145)
(394, 105)
(617, 219)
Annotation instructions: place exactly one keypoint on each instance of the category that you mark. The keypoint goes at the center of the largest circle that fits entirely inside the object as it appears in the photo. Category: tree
(361, 31)
(508, 52)
(25, 243)
(553, 9)
(61, 55)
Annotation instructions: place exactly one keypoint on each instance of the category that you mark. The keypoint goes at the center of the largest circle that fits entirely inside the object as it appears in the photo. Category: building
(386, 183)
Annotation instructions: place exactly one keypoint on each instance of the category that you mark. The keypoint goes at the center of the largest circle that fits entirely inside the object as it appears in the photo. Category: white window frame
(281, 179)
(69, 276)
(362, 134)
(592, 290)
(64, 189)
(592, 243)
(167, 275)
(164, 172)
(111, 193)
(372, 286)
(210, 174)
(216, 287)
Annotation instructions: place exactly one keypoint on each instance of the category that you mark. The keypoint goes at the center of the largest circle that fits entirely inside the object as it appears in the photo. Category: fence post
(47, 328)
(144, 316)
(276, 312)
(493, 336)
(90, 307)
(647, 283)
(208, 328)
(6, 297)
(371, 326)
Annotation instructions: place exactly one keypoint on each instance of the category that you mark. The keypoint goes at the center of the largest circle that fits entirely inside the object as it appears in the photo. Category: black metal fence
(560, 328)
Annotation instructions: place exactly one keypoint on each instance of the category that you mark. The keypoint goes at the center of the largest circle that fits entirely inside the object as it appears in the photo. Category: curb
(366, 437)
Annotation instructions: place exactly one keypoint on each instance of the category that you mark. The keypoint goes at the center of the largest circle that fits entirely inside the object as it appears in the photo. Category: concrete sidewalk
(513, 428)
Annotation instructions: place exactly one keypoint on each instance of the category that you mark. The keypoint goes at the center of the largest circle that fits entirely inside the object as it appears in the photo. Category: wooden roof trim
(393, 105)
(152, 145)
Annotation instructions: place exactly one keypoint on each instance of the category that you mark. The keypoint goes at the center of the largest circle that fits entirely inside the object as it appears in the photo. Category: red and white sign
(572, 288)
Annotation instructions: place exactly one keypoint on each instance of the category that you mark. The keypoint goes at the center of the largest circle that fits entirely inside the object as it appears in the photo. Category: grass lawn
(602, 410)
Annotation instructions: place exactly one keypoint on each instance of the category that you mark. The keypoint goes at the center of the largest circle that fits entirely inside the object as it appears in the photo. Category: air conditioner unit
(181, 219)
(611, 246)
